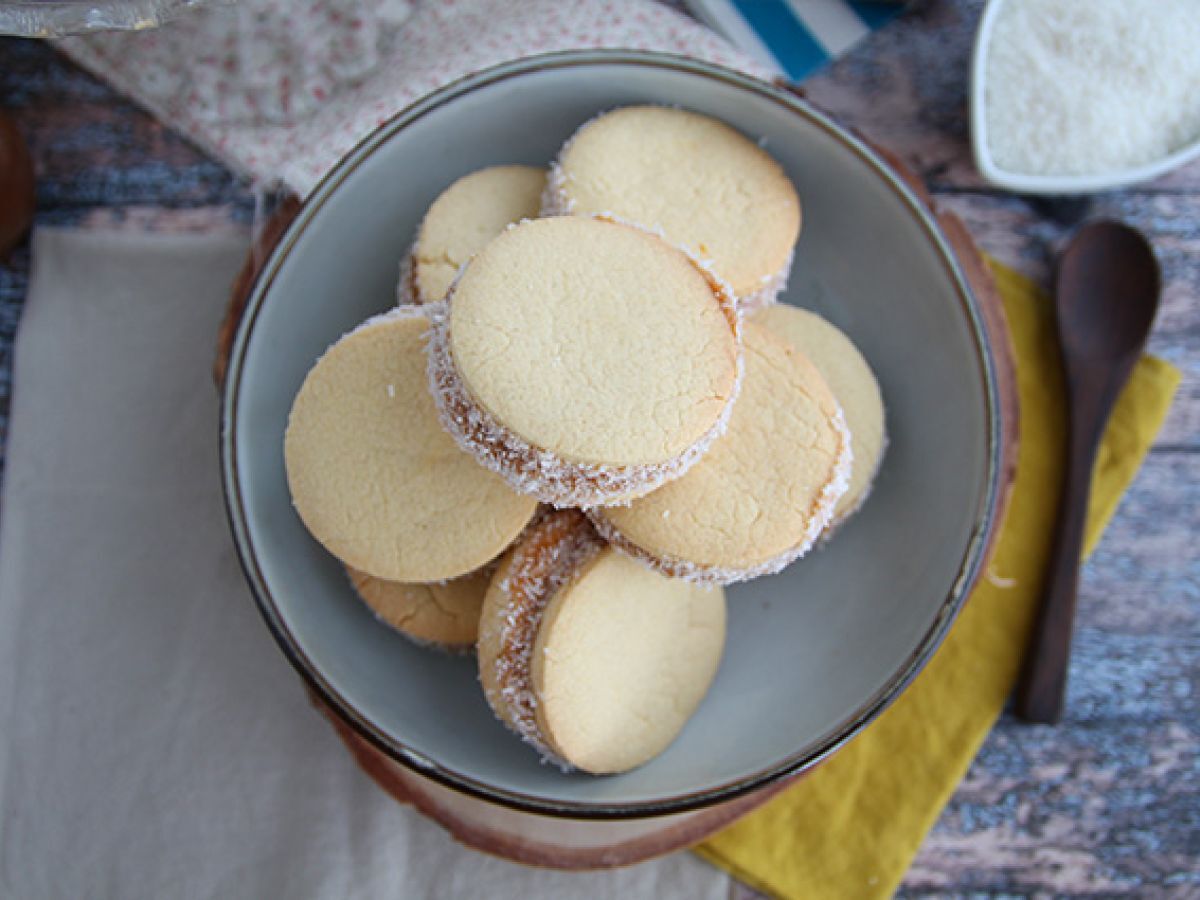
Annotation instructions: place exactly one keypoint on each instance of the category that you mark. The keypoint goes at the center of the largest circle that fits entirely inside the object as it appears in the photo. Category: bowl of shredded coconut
(1073, 98)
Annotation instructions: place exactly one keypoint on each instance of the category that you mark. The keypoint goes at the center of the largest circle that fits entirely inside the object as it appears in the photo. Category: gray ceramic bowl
(814, 653)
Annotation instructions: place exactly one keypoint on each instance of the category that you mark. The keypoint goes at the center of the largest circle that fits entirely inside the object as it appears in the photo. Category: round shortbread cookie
(709, 189)
(853, 384)
(623, 657)
(460, 223)
(586, 361)
(763, 493)
(442, 614)
(558, 608)
(372, 474)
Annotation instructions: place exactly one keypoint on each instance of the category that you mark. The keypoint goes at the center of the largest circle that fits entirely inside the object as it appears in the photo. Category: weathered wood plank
(1069, 814)
(92, 148)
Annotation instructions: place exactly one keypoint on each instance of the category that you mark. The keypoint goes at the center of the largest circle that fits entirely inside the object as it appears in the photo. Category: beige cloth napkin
(155, 742)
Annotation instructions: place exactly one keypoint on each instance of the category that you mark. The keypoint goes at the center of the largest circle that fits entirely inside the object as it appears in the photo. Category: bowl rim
(791, 764)
(1050, 185)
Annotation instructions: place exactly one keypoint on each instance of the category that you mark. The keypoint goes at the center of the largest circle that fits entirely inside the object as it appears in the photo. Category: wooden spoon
(16, 186)
(1107, 295)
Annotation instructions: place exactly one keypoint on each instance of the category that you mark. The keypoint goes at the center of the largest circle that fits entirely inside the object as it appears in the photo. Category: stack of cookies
(586, 415)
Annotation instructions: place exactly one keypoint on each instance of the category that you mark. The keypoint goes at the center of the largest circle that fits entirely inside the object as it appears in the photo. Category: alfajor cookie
(708, 188)
(763, 493)
(441, 614)
(372, 474)
(590, 656)
(584, 360)
(852, 383)
(533, 570)
(461, 221)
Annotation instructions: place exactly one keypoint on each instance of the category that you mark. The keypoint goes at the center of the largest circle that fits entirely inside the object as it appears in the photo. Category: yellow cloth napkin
(852, 827)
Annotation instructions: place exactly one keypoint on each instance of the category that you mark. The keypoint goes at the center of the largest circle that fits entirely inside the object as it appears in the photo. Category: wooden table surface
(1106, 804)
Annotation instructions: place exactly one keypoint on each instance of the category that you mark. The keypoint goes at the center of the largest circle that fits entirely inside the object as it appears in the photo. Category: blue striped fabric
(792, 45)
(794, 37)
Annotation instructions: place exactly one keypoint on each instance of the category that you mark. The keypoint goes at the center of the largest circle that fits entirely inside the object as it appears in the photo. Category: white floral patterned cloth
(280, 90)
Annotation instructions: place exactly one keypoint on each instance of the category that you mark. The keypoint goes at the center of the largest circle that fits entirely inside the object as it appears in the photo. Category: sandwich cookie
(706, 186)
(853, 384)
(584, 360)
(372, 474)
(444, 615)
(763, 493)
(591, 657)
(461, 221)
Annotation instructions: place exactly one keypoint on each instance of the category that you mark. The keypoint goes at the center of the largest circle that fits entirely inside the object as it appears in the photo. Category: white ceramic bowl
(813, 654)
(1053, 185)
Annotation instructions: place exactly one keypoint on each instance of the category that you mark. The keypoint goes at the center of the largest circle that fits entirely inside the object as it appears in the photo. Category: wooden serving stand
(561, 843)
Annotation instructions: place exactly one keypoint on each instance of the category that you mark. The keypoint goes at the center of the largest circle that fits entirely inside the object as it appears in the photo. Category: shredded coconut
(532, 578)
(772, 286)
(555, 199)
(406, 286)
(836, 521)
(1079, 88)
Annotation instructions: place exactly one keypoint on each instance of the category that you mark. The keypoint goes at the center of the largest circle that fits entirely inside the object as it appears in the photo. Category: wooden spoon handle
(1042, 688)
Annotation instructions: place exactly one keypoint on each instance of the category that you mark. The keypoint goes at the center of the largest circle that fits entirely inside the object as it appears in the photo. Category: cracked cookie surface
(763, 493)
(375, 478)
(853, 384)
(585, 360)
(442, 614)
